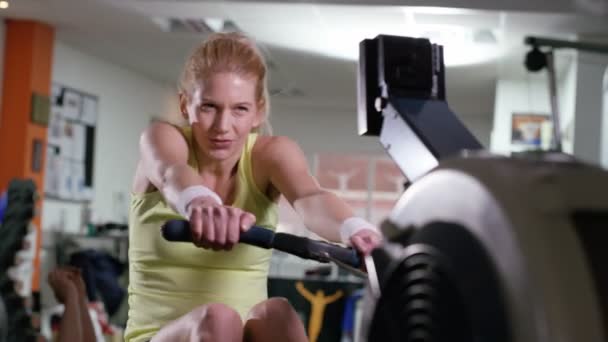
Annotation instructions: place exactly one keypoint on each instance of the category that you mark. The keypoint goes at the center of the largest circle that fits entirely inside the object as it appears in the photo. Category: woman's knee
(276, 307)
(216, 320)
(274, 320)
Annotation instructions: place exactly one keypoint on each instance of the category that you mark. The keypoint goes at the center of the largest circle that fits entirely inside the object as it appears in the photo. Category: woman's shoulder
(164, 129)
(270, 153)
(268, 147)
(276, 152)
(166, 135)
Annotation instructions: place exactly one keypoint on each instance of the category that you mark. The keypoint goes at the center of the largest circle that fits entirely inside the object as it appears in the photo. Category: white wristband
(188, 194)
(352, 226)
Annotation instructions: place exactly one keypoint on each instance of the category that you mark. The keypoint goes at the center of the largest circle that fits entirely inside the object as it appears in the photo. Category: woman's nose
(222, 121)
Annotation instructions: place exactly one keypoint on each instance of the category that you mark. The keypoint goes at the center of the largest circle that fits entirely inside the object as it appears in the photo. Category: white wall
(567, 95)
(127, 101)
(588, 129)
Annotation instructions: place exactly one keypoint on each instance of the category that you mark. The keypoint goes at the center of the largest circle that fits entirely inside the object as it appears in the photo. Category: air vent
(201, 26)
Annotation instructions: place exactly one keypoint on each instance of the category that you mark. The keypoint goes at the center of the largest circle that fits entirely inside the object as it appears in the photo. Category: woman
(223, 176)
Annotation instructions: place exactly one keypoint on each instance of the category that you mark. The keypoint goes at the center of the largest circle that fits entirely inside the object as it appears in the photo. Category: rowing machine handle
(179, 231)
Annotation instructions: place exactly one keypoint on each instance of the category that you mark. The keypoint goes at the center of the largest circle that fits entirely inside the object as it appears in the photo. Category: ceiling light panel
(472, 20)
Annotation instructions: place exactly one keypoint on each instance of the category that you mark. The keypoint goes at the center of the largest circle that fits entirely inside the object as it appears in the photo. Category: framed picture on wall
(530, 130)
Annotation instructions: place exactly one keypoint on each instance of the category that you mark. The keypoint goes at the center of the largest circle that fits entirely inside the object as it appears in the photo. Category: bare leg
(88, 332)
(274, 320)
(67, 294)
(207, 323)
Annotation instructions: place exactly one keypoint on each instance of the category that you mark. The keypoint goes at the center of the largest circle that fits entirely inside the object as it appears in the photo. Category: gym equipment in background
(480, 247)
(3, 203)
(536, 60)
(15, 314)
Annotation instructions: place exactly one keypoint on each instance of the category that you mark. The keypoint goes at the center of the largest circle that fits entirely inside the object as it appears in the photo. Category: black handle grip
(179, 231)
(316, 250)
(348, 256)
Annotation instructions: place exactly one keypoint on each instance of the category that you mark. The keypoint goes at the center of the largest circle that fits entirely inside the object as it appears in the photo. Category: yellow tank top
(169, 279)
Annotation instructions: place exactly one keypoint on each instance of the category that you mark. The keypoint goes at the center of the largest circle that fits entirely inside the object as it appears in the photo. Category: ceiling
(313, 45)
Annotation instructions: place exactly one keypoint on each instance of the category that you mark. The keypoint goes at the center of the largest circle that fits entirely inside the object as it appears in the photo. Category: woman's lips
(220, 143)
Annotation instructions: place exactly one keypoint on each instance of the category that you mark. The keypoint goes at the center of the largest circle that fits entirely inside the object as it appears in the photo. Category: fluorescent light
(3, 4)
(439, 10)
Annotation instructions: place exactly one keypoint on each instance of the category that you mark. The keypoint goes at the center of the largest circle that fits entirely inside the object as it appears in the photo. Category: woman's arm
(322, 212)
(164, 161)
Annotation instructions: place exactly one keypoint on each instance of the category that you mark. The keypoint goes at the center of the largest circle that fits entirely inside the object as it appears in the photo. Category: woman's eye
(207, 106)
(241, 110)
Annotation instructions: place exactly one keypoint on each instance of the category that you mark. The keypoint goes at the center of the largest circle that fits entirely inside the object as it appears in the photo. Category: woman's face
(222, 111)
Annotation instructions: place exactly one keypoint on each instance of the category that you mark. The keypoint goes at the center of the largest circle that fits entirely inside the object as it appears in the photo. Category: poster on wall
(530, 130)
(51, 178)
(55, 126)
(71, 104)
(89, 111)
(70, 145)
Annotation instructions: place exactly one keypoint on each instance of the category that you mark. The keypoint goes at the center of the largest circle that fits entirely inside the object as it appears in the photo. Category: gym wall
(127, 101)
(591, 126)
(567, 101)
(529, 94)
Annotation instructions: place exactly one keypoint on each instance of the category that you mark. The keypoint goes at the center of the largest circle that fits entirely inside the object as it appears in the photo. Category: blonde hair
(229, 52)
